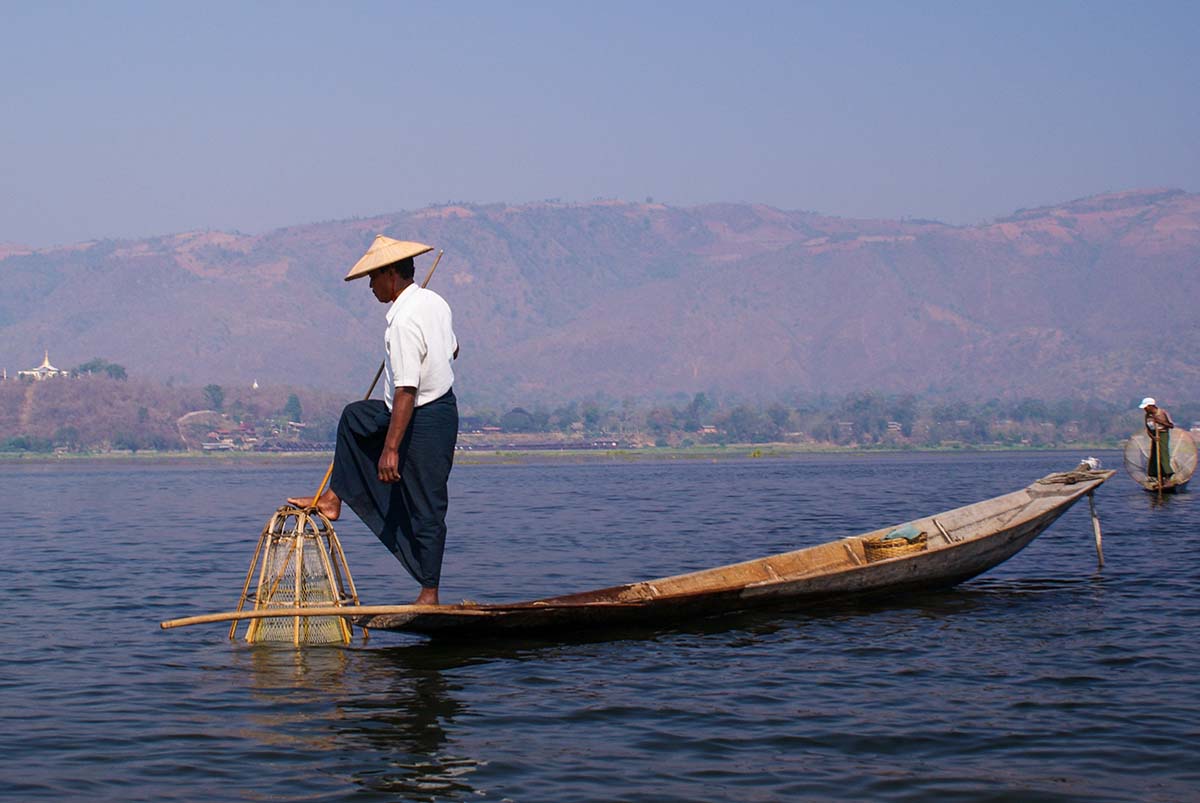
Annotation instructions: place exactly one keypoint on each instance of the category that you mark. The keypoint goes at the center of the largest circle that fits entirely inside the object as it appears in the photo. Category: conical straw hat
(383, 252)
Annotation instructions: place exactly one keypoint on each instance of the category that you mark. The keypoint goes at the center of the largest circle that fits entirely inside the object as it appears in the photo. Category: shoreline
(510, 456)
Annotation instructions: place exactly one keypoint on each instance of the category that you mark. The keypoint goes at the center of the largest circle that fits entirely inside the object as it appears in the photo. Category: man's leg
(423, 477)
(359, 441)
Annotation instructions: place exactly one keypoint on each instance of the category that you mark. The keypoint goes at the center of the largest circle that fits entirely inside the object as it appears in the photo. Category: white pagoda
(43, 371)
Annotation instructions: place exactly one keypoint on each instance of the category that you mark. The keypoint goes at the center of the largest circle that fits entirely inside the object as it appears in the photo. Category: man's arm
(402, 410)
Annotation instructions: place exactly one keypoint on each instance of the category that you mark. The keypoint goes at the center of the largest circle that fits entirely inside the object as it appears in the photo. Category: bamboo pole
(335, 548)
(329, 610)
(1158, 460)
(298, 584)
(1096, 529)
(432, 268)
(259, 602)
(250, 573)
(272, 543)
(333, 581)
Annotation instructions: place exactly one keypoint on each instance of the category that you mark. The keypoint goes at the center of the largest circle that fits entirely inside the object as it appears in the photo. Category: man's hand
(389, 466)
(402, 411)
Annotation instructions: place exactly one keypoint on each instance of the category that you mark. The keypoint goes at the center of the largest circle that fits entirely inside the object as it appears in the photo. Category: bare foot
(328, 504)
(428, 596)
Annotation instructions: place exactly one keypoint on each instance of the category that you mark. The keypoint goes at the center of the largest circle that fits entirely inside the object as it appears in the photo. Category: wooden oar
(370, 390)
(325, 610)
(1158, 459)
(383, 610)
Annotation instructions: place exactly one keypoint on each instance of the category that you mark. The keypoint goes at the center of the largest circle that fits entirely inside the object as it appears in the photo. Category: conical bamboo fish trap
(300, 564)
(1182, 454)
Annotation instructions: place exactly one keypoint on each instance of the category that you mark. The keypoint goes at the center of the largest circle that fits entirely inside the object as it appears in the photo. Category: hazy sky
(133, 119)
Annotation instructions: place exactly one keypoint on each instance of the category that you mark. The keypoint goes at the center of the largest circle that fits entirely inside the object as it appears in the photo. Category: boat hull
(1167, 487)
(964, 543)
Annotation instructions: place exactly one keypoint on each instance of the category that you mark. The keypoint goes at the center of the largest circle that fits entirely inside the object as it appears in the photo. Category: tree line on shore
(103, 410)
(864, 419)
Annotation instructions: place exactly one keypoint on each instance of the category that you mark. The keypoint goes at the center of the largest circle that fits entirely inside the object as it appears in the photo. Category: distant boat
(1183, 461)
(952, 546)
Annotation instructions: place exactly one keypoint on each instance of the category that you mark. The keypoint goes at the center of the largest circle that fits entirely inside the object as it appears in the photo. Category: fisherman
(1158, 427)
(393, 457)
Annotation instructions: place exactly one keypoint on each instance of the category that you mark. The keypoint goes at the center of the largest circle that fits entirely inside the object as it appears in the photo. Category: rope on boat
(1071, 477)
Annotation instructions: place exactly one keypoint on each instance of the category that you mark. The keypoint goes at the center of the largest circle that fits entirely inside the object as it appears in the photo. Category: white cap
(1146, 402)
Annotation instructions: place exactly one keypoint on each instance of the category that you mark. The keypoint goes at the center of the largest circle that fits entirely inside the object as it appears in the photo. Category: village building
(43, 371)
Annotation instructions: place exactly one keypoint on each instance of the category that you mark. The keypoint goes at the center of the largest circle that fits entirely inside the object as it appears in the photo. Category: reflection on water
(1181, 499)
(402, 723)
(1045, 679)
(396, 708)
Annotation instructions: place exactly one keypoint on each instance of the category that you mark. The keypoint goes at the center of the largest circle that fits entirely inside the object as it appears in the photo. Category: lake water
(1044, 679)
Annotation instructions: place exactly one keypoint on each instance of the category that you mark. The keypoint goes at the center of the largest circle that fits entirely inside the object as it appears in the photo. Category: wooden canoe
(1168, 487)
(959, 544)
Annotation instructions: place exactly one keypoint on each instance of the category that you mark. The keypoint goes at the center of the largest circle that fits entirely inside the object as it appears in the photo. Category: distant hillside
(1092, 298)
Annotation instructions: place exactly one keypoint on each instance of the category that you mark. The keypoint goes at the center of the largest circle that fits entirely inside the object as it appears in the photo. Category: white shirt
(419, 345)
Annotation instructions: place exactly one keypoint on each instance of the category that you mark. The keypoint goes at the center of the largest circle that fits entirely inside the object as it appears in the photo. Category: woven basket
(879, 549)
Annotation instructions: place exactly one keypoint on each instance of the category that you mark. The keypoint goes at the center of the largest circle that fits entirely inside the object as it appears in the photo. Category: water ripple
(1045, 680)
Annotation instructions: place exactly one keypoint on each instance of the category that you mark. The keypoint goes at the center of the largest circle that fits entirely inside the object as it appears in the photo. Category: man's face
(383, 285)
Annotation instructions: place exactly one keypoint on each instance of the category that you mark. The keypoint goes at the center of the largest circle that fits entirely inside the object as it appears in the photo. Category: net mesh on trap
(1182, 451)
(298, 563)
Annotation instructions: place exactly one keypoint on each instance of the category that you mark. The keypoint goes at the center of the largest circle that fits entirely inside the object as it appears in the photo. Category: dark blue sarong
(408, 516)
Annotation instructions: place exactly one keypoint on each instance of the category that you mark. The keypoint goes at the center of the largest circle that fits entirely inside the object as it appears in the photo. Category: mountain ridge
(1092, 297)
